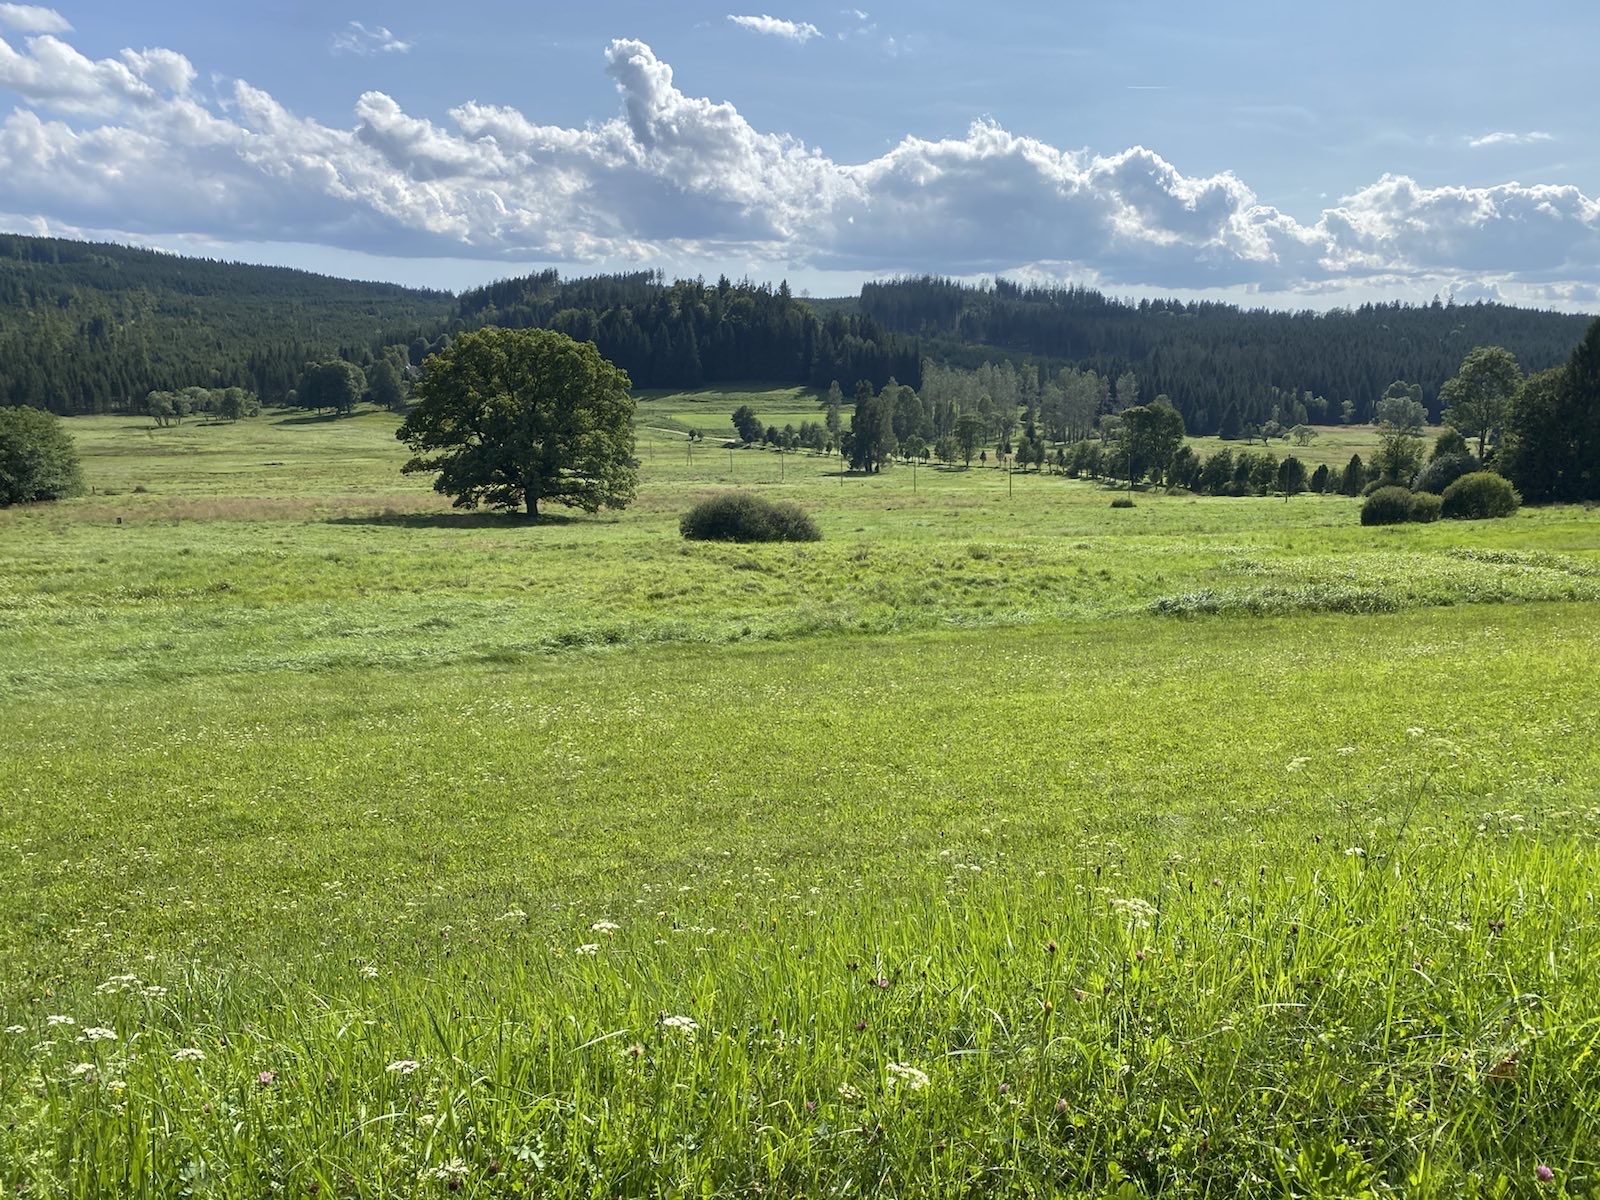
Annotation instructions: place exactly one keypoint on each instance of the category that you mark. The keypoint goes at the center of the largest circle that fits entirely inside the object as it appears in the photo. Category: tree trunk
(533, 506)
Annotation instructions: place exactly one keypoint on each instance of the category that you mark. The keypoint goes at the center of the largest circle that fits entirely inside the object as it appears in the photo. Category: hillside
(87, 327)
(1207, 356)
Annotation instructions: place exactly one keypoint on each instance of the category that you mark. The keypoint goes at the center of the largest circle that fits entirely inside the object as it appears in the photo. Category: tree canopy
(1555, 428)
(38, 460)
(513, 417)
(1477, 400)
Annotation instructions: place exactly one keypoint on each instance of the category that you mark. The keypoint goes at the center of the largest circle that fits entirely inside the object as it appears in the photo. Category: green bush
(1443, 471)
(38, 460)
(1479, 496)
(1425, 507)
(746, 517)
(1387, 506)
(1122, 502)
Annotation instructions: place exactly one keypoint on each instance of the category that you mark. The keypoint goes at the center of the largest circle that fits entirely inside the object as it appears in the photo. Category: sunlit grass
(1212, 847)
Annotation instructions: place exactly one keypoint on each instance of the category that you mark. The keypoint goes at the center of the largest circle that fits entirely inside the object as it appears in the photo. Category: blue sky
(1299, 154)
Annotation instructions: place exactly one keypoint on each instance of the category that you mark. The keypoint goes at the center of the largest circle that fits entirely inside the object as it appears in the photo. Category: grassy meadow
(1001, 843)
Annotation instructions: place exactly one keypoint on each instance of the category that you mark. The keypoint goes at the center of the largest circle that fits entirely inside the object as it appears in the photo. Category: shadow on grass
(454, 520)
(314, 419)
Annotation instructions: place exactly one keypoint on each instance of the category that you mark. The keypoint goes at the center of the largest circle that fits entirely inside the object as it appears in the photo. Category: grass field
(1001, 843)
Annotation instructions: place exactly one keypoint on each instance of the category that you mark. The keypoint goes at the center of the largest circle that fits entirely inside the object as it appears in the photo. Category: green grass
(1212, 847)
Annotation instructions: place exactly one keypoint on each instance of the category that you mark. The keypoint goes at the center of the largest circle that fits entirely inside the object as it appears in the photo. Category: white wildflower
(912, 1079)
(849, 1091)
(513, 914)
(455, 1169)
(588, 948)
(1139, 911)
(83, 1070)
(15, 1029)
(1355, 852)
(369, 972)
(604, 927)
(59, 1020)
(1298, 763)
(95, 1033)
(682, 1024)
(1415, 730)
(189, 1054)
(402, 1066)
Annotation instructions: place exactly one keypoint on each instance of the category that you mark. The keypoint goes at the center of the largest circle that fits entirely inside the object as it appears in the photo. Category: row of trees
(91, 328)
(1222, 366)
(689, 333)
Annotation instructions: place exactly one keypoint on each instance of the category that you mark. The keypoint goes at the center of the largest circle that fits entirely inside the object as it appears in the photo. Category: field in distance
(1000, 843)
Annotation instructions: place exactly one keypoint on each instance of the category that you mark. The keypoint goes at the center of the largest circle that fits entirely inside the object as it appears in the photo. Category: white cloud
(126, 143)
(1509, 139)
(795, 31)
(30, 18)
(356, 38)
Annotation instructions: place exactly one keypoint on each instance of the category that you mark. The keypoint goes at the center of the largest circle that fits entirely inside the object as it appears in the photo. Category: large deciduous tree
(334, 384)
(1478, 400)
(38, 460)
(512, 417)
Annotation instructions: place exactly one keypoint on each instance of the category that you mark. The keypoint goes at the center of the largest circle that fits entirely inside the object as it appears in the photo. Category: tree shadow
(312, 419)
(454, 520)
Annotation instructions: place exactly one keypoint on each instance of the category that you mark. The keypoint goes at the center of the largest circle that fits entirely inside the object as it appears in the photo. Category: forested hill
(1207, 356)
(86, 327)
(688, 333)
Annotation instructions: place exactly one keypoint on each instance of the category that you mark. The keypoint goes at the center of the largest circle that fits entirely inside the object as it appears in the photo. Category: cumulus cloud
(356, 38)
(1509, 139)
(794, 31)
(30, 18)
(128, 143)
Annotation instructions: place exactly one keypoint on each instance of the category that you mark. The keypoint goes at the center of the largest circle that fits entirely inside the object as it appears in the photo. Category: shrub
(38, 460)
(1387, 506)
(1122, 502)
(1442, 472)
(746, 517)
(1425, 507)
(1479, 496)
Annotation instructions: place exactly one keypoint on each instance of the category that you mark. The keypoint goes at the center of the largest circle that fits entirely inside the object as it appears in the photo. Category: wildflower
(95, 1033)
(512, 914)
(1062, 1105)
(604, 927)
(402, 1066)
(1355, 852)
(1137, 910)
(849, 1092)
(58, 1020)
(82, 1070)
(1415, 730)
(635, 1051)
(589, 948)
(369, 972)
(266, 1079)
(188, 1054)
(15, 1029)
(686, 1025)
(1543, 1173)
(912, 1079)
(452, 1170)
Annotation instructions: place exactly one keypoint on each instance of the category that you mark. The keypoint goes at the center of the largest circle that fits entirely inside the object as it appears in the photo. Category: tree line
(92, 328)
(690, 333)
(1224, 368)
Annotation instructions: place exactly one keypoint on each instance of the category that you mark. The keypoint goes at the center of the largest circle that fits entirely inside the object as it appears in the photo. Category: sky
(1288, 154)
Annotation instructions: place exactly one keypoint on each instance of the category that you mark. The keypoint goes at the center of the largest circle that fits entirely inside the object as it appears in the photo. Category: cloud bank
(130, 143)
